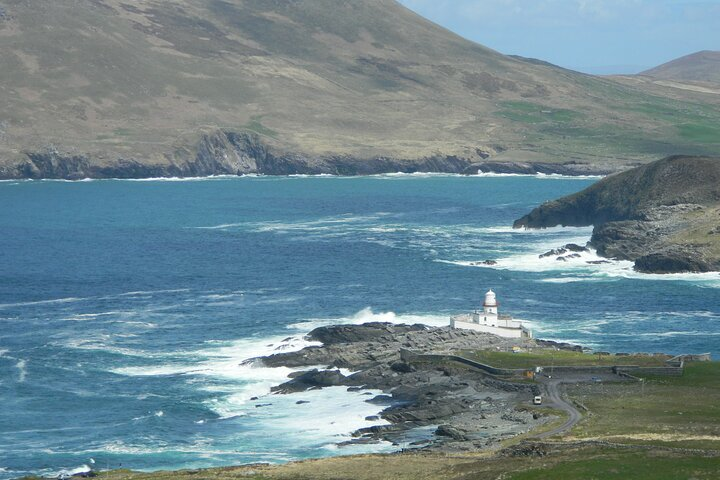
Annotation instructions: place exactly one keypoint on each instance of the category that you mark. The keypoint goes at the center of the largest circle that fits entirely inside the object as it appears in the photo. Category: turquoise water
(127, 307)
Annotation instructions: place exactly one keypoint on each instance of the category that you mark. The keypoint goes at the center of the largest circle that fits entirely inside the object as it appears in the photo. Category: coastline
(236, 154)
(439, 412)
(442, 407)
(388, 175)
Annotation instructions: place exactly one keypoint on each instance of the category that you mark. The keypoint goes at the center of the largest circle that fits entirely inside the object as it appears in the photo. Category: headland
(461, 403)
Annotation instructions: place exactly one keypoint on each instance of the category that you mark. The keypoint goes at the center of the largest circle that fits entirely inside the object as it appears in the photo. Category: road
(554, 399)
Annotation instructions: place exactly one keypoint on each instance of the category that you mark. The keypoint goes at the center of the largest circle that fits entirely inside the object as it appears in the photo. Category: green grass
(677, 411)
(557, 358)
(254, 125)
(124, 132)
(700, 374)
(635, 466)
(705, 133)
(527, 112)
(590, 463)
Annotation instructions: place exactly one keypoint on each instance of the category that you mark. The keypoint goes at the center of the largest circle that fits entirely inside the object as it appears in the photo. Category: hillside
(192, 87)
(701, 66)
(663, 216)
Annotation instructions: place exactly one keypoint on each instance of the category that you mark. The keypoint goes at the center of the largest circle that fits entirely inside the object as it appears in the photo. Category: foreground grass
(577, 463)
(636, 466)
(558, 358)
(675, 411)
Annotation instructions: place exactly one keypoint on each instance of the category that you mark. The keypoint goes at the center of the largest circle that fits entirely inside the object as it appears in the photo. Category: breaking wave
(368, 315)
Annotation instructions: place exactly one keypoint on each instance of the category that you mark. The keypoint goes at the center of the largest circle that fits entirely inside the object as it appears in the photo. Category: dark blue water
(126, 308)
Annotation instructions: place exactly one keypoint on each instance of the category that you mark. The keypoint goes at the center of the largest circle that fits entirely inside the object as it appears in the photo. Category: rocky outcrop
(661, 215)
(242, 153)
(310, 380)
(368, 332)
(473, 409)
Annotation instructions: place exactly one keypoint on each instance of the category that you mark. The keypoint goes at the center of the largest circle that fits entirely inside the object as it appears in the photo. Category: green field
(558, 358)
(675, 411)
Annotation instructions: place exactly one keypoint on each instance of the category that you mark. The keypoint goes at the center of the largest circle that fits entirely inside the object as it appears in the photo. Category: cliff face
(663, 216)
(231, 153)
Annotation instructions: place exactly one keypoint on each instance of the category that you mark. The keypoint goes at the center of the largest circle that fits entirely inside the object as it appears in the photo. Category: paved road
(554, 399)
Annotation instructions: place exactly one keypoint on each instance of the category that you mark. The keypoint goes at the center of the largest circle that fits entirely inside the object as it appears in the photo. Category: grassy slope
(115, 79)
(697, 67)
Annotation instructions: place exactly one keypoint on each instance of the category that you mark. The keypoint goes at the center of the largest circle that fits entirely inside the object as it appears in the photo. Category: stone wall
(409, 357)
(669, 370)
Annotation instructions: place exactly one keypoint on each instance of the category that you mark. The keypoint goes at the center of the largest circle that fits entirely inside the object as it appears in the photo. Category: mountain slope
(701, 66)
(196, 87)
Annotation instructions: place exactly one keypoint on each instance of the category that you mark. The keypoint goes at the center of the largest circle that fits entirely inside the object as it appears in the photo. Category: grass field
(591, 463)
(675, 411)
(558, 358)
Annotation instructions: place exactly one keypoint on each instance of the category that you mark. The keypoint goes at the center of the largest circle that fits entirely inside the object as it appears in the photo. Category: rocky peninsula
(664, 216)
(464, 408)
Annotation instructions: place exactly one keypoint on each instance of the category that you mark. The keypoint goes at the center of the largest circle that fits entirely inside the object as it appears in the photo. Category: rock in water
(312, 379)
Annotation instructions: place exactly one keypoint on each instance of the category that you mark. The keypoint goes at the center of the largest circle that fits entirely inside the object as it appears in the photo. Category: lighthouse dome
(490, 300)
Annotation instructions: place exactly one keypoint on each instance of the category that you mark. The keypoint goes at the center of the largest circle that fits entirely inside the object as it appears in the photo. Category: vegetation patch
(705, 133)
(559, 358)
(677, 411)
(637, 466)
(528, 112)
(254, 125)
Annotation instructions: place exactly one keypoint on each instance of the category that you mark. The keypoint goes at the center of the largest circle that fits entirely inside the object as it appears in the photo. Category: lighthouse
(490, 304)
(490, 321)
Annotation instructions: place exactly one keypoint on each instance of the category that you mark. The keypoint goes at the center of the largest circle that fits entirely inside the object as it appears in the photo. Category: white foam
(570, 279)
(333, 412)
(587, 266)
(368, 315)
(225, 362)
(42, 302)
(152, 292)
(200, 447)
(548, 176)
(22, 370)
(182, 179)
(73, 471)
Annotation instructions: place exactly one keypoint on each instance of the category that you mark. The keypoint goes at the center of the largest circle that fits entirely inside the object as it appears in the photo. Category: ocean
(127, 308)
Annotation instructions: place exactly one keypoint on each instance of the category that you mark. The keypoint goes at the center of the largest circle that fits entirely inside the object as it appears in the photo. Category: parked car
(537, 400)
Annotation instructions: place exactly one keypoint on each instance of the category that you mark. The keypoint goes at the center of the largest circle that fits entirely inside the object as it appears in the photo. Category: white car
(537, 400)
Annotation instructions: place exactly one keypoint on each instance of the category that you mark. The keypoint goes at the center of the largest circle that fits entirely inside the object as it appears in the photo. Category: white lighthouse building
(488, 320)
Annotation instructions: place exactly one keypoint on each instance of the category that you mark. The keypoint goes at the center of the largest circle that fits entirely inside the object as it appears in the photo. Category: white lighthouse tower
(490, 321)
(490, 304)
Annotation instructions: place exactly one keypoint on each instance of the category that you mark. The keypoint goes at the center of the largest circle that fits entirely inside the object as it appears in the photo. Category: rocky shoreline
(231, 153)
(456, 408)
(663, 216)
